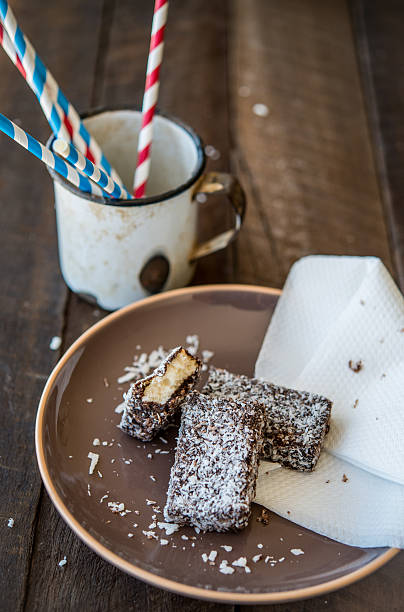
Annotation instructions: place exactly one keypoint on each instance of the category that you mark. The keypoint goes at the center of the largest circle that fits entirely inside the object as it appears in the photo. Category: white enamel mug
(115, 252)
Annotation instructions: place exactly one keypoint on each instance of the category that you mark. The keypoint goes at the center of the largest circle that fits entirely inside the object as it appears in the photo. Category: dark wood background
(323, 173)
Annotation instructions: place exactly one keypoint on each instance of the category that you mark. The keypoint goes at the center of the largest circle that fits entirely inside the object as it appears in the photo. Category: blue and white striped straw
(96, 174)
(45, 155)
(53, 102)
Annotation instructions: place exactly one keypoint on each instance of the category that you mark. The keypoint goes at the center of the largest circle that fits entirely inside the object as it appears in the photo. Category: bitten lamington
(152, 402)
(296, 421)
(213, 478)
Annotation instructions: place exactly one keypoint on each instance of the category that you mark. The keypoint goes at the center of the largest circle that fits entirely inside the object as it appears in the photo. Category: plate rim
(138, 572)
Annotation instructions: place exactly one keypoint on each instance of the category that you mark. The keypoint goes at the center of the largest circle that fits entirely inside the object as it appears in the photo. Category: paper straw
(150, 97)
(93, 172)
(62, 116)
(45, 155)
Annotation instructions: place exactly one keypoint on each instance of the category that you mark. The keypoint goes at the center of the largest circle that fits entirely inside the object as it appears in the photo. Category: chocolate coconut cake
(213, 478)
(296, 421)
(152, 402)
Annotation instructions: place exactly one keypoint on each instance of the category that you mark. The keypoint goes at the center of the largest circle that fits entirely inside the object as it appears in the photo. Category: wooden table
(323, 173)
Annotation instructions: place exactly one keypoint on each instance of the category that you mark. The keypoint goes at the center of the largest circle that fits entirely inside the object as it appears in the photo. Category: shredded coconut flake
(261, 110)
(227, 548)
(94, 460)
(62, 562)
(55, 343)
(163, 542)
(297, 551)
(96, 442)
(212, 555)
(241, 562)
(225, 568)
(120, 408)
(260, 545)
(256, 558)
(10, 522)
(150, 535)
(204, 557)
(169, 528)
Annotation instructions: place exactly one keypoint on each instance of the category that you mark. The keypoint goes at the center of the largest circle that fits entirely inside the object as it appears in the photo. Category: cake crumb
(355, 367)
(297, 551)
(356, 403)
(344, 478)
(264, 518)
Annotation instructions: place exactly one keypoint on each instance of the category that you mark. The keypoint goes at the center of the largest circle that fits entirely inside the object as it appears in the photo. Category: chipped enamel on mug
(114, 252)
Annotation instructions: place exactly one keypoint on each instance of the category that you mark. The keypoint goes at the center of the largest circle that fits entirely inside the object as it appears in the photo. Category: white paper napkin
(337, 315)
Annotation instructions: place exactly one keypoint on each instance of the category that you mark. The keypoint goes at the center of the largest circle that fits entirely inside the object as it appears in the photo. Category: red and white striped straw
(150, 97)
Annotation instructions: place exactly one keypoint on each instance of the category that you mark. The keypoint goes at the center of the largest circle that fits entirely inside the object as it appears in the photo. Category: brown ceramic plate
(231, 321)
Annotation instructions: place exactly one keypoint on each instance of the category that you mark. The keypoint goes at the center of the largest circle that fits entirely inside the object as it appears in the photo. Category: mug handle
(220, 182)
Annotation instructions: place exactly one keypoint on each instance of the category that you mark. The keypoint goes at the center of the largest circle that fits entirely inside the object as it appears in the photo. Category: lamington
(213, 479)
(152, 402)
(296, 421)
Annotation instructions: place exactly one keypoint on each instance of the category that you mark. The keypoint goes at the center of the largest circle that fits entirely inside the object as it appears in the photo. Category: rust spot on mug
(154, 274)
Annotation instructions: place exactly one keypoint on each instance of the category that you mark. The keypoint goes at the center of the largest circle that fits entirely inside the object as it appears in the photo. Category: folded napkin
(338, 330)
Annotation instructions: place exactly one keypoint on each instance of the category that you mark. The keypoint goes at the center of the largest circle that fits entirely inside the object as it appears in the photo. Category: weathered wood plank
(378, 29)
(308, 166)
(120, 61)
(193, 87)
(32, 297)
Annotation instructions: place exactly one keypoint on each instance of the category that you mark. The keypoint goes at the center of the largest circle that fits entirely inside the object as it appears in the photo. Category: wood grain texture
(193, 87)
(32, 297)
(119, 51)
(378, 29)
(310, 175)
(308, 166)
